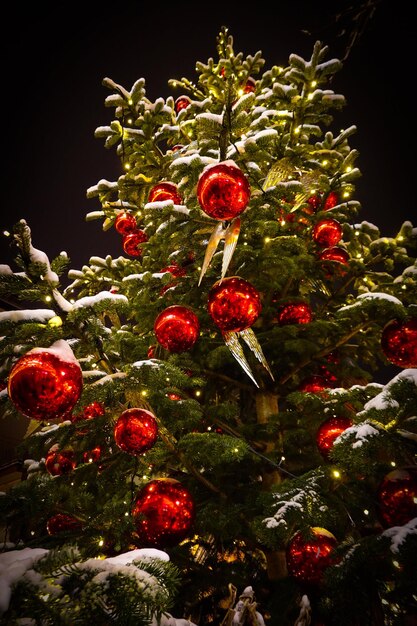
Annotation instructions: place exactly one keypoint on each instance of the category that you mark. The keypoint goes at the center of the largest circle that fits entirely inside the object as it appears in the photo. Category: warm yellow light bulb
(336, 473)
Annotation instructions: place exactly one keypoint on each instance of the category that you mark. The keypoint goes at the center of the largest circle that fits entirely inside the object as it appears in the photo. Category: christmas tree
(209, 435)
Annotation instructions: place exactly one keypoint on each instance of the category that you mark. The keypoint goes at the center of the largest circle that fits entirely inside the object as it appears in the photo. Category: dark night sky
(54, 59)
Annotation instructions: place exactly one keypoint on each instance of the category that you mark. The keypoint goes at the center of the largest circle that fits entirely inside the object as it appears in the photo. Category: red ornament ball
(177, 328)
(59, 462)
(173, 396)
(223, 191)
(61, 522)
(332, 199)
(397, 496)
(163, 512)
(250, 85)
(308, 557)
(165, 191)
(132, 241)
(314, 384)
(399, 342)
(234, 304)
(327, 232)
(328, 431)
(125, 223)
(136, 431)
(182, 102)
(294, 313)
(44, 386)
(334, 253)
(176, 270)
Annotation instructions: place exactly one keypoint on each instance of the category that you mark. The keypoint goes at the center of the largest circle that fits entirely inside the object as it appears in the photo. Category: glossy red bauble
(176, 271)
(308, 557)
(59, 462)
(61, 522)
(327, 232)
(165, 191)
(44, 386)
(223, 191)
(234, 304)
(314, 384)
(182, 102)
(132, 242)
(334, 253)
(332, 199)
(397, 496)
(328, 431)
(250, 85)
(136, 431)
(177, 328)
(125, 223)
(163, 512)
(399, 342)
(294, 313)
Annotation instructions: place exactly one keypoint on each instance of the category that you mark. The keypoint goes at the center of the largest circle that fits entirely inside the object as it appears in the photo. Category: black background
(55, 57)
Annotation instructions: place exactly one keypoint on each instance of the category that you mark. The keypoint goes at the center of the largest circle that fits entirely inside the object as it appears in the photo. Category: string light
(101, 542)
(336, 473)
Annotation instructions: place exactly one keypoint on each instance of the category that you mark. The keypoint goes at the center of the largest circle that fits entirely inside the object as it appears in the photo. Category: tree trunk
(266, 406)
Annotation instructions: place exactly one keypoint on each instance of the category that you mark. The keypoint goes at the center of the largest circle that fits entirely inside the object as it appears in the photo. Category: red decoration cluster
(136, 431)
(132, 236)
(177, 328)
(163, 512)
(165, 191)
(43, 386)
(399, 342)
(328, 431)
(294, 313)
(59, 462)
(223, 191)
(397, 496)
(308, 557)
